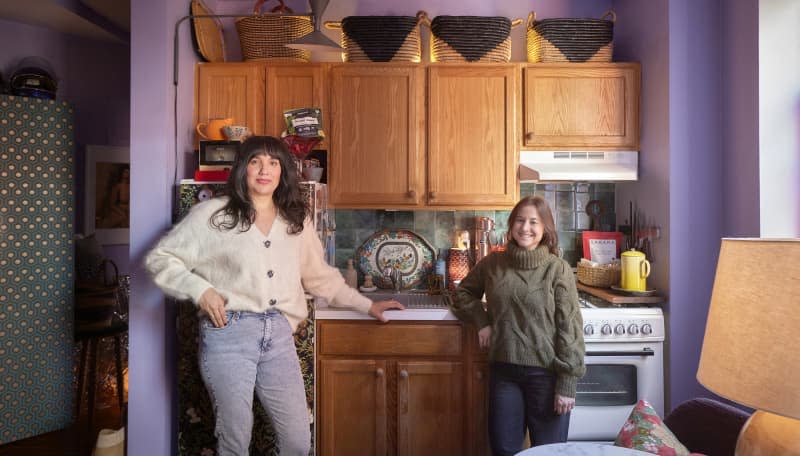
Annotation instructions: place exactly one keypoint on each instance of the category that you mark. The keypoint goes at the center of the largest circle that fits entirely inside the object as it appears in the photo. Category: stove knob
(588, 330)
(619, 329)
(633, 329)
(647, 329)
(606, 329)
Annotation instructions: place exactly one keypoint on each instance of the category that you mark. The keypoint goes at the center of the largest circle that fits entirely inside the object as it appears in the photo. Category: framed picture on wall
(107, 194)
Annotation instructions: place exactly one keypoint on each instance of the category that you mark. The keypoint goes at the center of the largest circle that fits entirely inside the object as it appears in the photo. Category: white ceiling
(105, 20)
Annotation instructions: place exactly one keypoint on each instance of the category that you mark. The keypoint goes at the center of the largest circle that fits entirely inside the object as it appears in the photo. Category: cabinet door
(352, 407)
(290, 87)
(478, 412)
(472, 135)
(231, 90)
(594, 106)
(430, 408)
(376, 135)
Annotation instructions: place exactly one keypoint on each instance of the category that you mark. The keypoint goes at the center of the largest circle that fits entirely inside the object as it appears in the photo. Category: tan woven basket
(265, 36)
(602, 276)
(570, 40)
(380, 38)
(471, 38)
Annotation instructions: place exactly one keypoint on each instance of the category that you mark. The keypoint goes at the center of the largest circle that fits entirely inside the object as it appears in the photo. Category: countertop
(323, 311)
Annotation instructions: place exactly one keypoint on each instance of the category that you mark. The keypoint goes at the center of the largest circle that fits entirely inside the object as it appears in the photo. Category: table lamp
(749, 354)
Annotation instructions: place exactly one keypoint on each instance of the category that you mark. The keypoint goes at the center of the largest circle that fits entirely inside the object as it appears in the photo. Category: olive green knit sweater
(532, 306)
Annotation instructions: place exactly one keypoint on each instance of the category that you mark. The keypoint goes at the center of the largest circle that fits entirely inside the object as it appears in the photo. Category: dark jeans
(522, 397)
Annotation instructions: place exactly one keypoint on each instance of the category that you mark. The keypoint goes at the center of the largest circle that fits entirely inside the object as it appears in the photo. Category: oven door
(617, 376)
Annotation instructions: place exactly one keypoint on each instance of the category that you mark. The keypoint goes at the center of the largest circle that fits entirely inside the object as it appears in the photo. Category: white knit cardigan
(252, 271)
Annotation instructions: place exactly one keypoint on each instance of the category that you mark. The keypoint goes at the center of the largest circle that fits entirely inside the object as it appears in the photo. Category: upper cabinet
(255, 94)
(472, 135)
(377, 135)
(380, 128)
(581, 106)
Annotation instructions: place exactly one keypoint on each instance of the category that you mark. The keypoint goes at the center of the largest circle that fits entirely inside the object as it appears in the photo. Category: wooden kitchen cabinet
(380, 127)
(592, 106)
(472, 135)
(396, 388)
(255, 94)
(377, 137)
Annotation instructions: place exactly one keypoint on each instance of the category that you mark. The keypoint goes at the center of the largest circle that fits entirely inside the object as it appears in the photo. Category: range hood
(590, 166)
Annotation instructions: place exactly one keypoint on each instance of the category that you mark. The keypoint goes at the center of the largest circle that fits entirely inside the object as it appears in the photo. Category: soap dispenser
(350, 274)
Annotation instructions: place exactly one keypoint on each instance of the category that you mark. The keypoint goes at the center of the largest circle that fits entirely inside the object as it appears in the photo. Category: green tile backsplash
(568, 202)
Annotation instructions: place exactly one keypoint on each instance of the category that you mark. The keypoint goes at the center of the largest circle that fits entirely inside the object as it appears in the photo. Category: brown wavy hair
(550, 236)
(239, 210)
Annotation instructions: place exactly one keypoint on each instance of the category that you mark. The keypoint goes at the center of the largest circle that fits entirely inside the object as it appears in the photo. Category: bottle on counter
(441, 269)
(350, 274)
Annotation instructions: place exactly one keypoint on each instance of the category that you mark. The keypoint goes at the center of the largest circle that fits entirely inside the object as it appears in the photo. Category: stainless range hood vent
(588, 166)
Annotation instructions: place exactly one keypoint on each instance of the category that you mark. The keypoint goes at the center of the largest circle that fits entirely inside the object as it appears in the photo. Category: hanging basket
(380, 38)
(471, 38)
(571, 40)
(265, 36)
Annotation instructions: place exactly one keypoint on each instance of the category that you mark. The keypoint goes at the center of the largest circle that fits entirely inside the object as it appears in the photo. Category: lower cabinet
(395, 389)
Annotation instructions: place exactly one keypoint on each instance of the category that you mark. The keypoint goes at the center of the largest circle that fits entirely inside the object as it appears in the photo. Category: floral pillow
(644, 431)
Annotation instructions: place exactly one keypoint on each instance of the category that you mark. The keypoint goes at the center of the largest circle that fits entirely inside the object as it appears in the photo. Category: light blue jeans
(254, 351)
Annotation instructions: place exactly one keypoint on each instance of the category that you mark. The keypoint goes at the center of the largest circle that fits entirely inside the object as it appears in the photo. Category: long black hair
(550, 236)
(239, 210)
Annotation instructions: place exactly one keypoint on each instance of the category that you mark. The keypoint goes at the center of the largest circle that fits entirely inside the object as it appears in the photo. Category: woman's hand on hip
(484, 336)
(377, 308)
(563, 404)
(213, 304)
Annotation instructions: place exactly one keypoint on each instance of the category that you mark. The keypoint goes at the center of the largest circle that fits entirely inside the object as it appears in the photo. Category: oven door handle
(643, 352)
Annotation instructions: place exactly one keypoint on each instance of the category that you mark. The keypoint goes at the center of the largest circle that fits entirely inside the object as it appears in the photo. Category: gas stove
(607, 322)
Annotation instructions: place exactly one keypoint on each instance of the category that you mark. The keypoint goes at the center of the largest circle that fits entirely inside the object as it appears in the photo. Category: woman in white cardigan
(246, 259)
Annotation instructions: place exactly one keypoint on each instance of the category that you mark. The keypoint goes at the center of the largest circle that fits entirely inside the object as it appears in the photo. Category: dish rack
(603, 275)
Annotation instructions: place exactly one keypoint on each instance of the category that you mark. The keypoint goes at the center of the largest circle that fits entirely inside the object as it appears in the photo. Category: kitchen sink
(410, 299)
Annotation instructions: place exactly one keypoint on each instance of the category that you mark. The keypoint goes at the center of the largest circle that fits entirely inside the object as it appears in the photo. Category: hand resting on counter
(378, 307)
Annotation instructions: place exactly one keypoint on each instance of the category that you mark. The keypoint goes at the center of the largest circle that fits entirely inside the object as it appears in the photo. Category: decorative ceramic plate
(401, 249)
(650, 292)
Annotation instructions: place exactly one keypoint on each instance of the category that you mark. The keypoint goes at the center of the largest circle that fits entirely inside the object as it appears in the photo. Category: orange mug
(212, 130)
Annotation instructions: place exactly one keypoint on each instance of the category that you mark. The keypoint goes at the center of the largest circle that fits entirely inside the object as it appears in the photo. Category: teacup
(236, 132)
(312, 173)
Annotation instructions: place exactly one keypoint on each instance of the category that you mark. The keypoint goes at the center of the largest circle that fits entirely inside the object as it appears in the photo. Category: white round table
(580, 449)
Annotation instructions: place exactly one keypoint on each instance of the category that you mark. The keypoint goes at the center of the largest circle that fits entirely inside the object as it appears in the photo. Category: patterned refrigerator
(196, 418)
(37, 215)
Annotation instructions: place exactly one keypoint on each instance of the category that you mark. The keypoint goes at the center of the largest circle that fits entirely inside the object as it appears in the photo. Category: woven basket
(471, 38)
(380, 38)
(265, 36)
(571, 40)
(602, 276)
(207, 33)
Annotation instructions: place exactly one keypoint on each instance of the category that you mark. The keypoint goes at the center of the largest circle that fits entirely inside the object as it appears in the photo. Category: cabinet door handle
(379, 372)
(529, 136)
(432, 195)
(479, 375)
(412, 194)
(403, 373)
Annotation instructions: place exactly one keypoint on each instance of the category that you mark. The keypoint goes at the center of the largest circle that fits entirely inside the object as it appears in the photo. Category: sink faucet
(393, 274)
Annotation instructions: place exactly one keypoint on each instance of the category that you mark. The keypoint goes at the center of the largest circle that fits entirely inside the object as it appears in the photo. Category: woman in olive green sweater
(532, 324)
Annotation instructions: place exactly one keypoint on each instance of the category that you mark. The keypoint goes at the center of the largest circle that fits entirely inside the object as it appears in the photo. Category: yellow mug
(635, 269)
(212, 130)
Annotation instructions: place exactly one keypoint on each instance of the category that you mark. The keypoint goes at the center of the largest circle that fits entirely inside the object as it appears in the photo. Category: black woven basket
(471, 38)
(571, 40)
(380, 38)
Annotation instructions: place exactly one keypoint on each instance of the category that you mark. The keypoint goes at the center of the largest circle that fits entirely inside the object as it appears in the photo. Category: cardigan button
(267, 243)
(272, 302)
(270, 273)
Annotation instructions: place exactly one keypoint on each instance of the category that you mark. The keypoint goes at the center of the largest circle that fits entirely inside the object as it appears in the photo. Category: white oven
(624, 363)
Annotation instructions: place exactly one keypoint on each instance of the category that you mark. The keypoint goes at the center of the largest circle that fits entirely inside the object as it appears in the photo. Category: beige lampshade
(751, 349)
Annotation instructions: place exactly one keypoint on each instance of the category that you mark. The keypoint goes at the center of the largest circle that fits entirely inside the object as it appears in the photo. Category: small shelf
(616, 298)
